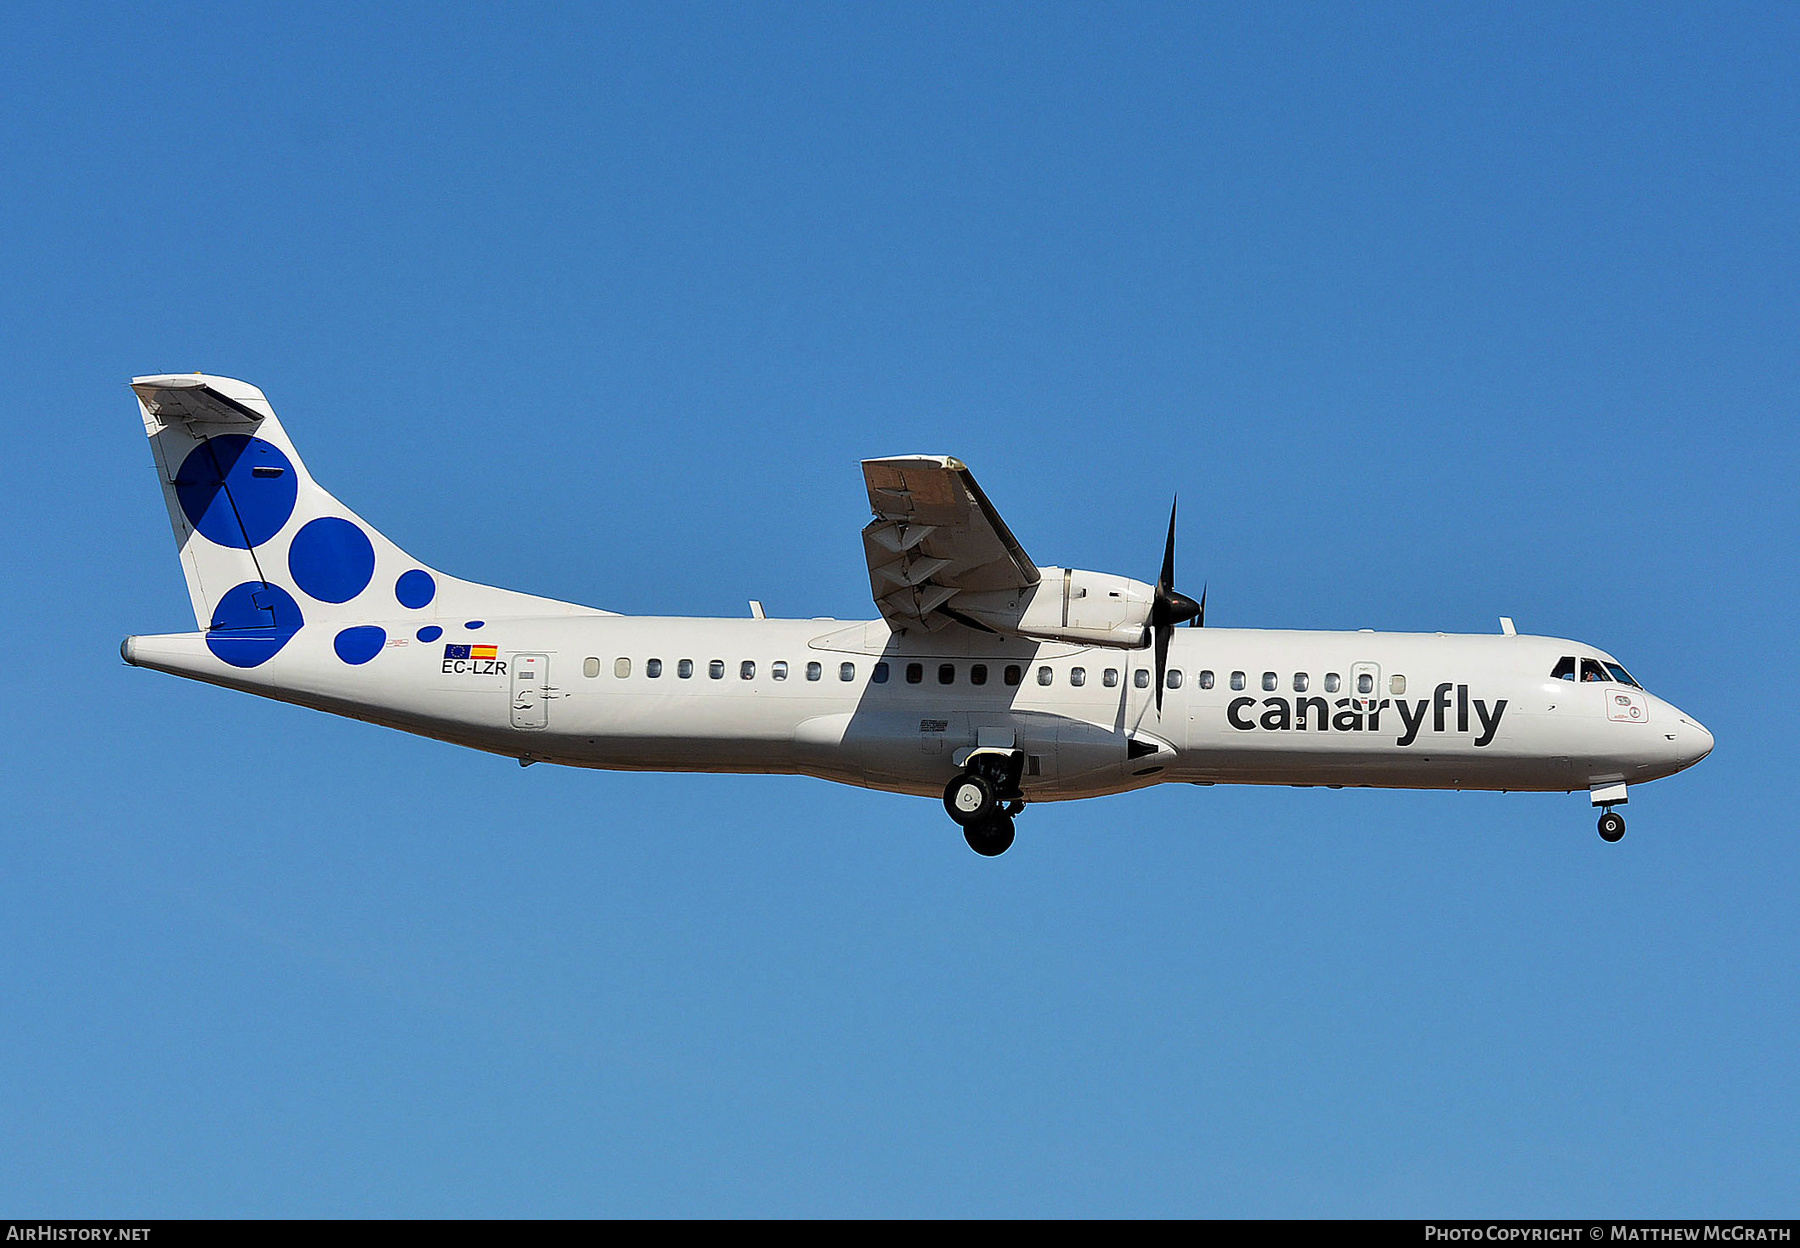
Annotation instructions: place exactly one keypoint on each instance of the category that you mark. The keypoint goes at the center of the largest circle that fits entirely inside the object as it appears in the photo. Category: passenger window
(1206, 680)
(1333, 682)
(846, 671)
(778, 669)
(1565, 668)
(590, 667)
(1299, 682)
(946, 673)
(1365, 683)
(621, 668)
(1396, 684)
(1238, 681)
(1078, 676)
(978, 674)
(915, 672)
(1045, 676)
(1271, 682)
(880, 674)
(1140, 679)
(1173, 679)
(1591, 670)
(747, 670)
(685, 669)
(653, 668)
(1110, 678)
(1013, 674)
(814, 671)
(716, 669)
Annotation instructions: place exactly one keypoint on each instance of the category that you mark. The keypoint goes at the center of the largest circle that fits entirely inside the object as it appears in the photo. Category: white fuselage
(834, 700)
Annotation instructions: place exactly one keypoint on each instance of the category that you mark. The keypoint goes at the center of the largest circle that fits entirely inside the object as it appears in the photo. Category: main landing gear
(985, 797)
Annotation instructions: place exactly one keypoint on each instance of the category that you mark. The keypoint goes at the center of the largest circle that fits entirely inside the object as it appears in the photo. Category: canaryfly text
(1449, 704)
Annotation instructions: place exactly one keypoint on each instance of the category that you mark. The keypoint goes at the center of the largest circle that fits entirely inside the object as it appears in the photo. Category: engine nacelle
(1069, 604)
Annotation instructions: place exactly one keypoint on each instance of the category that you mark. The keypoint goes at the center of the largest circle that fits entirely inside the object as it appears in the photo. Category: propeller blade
(1166, 581)
(1169, 608)
(1199, 620)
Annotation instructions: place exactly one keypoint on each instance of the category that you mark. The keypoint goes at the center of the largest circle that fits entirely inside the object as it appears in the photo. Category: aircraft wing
(935, 540)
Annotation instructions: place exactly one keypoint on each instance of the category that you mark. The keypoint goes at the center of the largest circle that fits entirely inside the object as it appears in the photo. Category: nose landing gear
(1606, 796)
(984, 798)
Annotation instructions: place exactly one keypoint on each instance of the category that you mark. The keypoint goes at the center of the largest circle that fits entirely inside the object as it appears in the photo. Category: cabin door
(531, 691)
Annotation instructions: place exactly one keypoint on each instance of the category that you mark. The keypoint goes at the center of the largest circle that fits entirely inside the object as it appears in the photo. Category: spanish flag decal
(471, 652)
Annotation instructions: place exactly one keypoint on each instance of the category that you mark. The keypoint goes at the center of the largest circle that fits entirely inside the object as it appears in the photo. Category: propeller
(1170, 608)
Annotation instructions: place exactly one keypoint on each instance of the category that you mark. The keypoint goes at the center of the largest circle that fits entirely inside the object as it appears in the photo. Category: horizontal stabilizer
(193, 399)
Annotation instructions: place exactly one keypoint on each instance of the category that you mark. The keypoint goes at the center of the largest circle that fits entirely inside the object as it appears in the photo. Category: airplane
(988, 680)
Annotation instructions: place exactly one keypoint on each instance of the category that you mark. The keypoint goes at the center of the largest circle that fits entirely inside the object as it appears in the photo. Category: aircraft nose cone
(1692, 741)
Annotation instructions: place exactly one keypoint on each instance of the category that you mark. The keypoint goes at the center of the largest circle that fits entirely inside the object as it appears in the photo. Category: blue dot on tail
(474, 624)
(359, 644)
(431, 632)
(331, 559)
(252, 622)
(237, 490)
(415, 589)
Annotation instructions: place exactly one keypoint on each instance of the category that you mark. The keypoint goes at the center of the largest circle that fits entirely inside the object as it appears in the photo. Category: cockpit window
(1591, 670)
(1622, 676)
(1565, 668)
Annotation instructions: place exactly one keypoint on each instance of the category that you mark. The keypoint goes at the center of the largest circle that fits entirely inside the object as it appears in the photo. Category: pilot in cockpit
(1591, 671)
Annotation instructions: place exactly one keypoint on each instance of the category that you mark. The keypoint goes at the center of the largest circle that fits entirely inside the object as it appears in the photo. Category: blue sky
(1430, 313)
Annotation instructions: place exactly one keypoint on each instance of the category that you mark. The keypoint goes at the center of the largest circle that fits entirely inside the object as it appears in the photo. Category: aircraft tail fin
(266, 549)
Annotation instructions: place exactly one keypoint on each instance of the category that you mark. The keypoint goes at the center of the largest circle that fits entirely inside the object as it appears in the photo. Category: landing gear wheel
(1612, 826)
(970, 800)
(992, 837)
